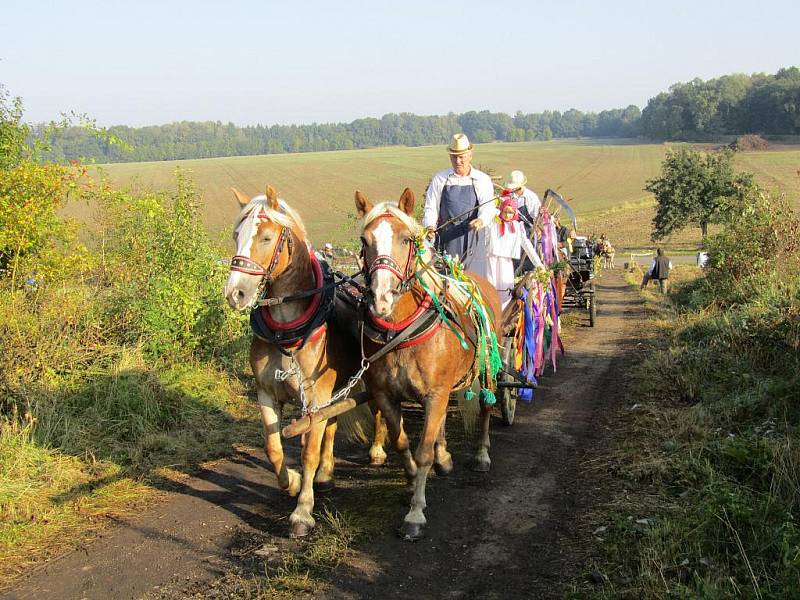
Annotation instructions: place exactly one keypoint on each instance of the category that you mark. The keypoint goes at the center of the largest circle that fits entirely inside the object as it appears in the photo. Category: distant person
(659, 270)
(528, 201)
(453, 192)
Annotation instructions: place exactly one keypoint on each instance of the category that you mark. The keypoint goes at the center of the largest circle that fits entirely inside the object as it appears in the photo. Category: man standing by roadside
(659, 270)
(453, 192)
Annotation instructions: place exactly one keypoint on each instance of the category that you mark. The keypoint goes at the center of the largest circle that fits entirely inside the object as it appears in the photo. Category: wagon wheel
(507, 396)
(592, 307)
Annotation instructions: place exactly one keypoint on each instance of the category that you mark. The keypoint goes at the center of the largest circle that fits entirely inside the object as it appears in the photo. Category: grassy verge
(118, 366)
(705, 470)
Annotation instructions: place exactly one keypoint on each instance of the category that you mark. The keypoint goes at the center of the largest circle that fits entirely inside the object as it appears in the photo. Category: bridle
(244, 264)
(384, 261)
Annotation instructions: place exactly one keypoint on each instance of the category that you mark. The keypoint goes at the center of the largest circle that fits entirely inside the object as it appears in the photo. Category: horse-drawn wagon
(418, 333)
(579, 282)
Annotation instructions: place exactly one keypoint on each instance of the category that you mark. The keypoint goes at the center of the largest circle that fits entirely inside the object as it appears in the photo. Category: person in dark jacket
(658, 270)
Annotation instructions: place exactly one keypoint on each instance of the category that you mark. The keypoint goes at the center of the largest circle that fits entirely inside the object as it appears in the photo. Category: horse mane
(392, 207)
(286, 217)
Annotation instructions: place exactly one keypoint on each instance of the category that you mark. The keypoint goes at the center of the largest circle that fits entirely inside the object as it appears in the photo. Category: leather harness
(307, 327)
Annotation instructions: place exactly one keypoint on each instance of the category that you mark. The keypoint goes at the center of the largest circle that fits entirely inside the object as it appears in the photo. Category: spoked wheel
(507, 397)
(592, 308)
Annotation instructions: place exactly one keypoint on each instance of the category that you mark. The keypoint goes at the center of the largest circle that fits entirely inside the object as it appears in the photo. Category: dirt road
(507, 534)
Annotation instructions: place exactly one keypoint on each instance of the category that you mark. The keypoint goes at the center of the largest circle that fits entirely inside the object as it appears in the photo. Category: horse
(606, 252)
(432, 364)
(292, 353)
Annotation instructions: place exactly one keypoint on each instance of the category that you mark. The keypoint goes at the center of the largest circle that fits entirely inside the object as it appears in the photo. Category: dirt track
(508, 534)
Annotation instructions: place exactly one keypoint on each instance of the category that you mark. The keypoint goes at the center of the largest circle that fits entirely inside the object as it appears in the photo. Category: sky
(143, 62)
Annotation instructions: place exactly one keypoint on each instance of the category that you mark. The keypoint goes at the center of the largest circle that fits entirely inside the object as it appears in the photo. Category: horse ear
(363, 206)
(272, 198)
(243, 200)
(407, 202)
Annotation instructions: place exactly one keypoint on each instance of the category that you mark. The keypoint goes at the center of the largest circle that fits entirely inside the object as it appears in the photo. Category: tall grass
(115, 366)
(711, 458)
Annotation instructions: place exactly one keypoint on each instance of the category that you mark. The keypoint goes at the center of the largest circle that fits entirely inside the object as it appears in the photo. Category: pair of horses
(311, 343)
(606, 252)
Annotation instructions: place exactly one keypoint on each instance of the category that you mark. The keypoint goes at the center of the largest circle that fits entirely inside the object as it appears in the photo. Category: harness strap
(247, 265)
(287, 340)
(395, 341)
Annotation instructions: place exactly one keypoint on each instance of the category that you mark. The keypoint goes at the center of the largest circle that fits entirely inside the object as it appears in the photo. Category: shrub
(165, 278)
(756, 251)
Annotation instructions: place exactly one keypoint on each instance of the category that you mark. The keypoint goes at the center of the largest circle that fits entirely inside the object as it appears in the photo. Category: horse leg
(442, 460)
(323, 481)
(394, 423)
(301, 519)
(288, 479)
(482, 461)
(377, 455)
(414, 522)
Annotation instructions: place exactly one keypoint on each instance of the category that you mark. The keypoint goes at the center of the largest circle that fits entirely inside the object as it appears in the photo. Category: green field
(602, 178)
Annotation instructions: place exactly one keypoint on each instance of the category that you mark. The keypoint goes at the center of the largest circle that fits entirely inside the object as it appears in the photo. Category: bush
(757, 250)
(164, 276)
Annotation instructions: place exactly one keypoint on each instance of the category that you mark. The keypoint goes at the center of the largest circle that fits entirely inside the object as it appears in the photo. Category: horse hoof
(377, 457)
(444, 468)
(482, 465)
(411, 532)
(299, 530)
(324, 487)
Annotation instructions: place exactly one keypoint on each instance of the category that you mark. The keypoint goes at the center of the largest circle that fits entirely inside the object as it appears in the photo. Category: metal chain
(342, 393)
(294, 370)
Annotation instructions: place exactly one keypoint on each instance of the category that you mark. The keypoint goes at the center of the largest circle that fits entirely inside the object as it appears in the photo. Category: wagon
(509, 380)
(580, 289)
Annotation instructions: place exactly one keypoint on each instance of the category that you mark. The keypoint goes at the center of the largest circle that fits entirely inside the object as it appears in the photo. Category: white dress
(501, 250)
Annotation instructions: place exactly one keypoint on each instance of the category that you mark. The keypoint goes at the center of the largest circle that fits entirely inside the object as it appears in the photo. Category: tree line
(191, 139)
(728, 105)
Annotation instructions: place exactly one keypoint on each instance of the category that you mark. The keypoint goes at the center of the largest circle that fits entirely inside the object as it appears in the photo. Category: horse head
(265, 234)
(388, 245)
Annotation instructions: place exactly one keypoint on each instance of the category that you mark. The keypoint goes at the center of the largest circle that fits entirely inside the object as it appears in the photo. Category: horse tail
(357, 425)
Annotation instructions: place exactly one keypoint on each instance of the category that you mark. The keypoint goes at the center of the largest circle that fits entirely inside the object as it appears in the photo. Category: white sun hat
(459, 144)
(516, 181)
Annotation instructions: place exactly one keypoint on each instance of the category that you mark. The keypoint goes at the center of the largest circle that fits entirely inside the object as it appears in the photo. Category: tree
(696, 188)
(13, 132)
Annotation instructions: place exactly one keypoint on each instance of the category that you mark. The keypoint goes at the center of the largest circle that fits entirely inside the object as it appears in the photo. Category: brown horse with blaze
(301, 354)
(432, 364)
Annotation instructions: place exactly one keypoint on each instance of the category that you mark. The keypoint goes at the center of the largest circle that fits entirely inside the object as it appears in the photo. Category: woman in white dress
(505, 240)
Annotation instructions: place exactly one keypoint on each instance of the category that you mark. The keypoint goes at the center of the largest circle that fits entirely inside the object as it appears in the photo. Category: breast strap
(297, 336)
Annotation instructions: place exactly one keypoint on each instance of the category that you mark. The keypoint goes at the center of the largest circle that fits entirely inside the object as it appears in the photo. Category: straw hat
(516, 181)
(459, 144)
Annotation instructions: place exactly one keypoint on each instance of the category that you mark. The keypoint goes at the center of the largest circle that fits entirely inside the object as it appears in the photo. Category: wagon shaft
(304, 424)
